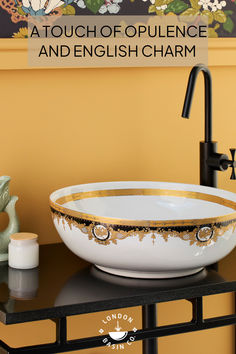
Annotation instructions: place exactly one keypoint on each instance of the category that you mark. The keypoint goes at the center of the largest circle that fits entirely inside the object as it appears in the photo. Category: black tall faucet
(210, 160)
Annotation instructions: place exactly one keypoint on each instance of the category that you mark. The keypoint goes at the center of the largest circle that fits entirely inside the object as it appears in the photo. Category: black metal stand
(147, 335)
(149, 318)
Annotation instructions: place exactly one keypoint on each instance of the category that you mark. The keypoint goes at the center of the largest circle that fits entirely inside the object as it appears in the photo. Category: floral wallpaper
(13, 13)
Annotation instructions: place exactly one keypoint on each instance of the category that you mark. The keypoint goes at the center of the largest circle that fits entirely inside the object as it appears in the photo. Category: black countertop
(65, 285)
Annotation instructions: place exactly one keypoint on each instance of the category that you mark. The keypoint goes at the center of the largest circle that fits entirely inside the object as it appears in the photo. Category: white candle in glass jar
(23, 251)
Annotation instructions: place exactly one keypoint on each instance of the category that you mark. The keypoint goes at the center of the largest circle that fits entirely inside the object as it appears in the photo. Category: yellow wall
(63, 127)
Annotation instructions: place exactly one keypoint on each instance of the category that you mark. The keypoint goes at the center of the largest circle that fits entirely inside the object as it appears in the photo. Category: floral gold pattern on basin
(106, 234)
(151, 229)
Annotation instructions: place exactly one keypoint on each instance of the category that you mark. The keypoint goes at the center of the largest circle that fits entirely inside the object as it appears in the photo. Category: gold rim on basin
(106, 230)
(58, 206)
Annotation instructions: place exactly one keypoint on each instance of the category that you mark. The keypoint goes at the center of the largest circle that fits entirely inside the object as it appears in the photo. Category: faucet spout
(208, 98)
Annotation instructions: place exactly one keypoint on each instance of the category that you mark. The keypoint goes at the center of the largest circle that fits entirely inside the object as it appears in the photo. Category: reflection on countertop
(91, 284)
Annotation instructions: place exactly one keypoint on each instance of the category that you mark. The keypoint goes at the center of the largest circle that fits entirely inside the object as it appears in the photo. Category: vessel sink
(146, 229)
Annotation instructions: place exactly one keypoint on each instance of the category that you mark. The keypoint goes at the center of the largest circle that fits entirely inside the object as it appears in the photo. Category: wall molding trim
(13, 53)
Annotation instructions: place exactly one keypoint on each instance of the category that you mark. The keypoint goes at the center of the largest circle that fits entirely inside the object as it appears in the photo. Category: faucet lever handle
(233, 163)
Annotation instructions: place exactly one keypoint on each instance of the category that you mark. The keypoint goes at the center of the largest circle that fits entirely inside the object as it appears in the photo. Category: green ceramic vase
(7, 204)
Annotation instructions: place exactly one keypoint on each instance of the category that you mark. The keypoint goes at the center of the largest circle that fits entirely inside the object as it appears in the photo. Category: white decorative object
(146, 229)
(23, 251)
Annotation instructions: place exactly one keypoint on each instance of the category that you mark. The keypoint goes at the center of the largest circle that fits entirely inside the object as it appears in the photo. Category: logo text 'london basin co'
(118, 326)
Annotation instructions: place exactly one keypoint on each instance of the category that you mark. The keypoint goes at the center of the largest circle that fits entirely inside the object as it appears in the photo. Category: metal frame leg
(197, 310)
(149, 318)
(61, 330)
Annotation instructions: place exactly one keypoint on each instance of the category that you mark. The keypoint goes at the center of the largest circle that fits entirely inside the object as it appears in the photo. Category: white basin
(146, 229)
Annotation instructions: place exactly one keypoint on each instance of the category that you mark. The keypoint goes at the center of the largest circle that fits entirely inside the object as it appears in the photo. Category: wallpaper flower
(221, 14)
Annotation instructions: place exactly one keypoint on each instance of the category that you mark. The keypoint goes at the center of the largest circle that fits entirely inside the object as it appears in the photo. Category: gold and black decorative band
(105, 234)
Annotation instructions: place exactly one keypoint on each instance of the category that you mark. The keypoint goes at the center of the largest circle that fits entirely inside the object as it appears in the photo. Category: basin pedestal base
(149, 275)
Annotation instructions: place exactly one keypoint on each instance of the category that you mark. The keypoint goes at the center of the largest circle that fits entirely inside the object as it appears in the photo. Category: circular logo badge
(204, 234)
(101, 232)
